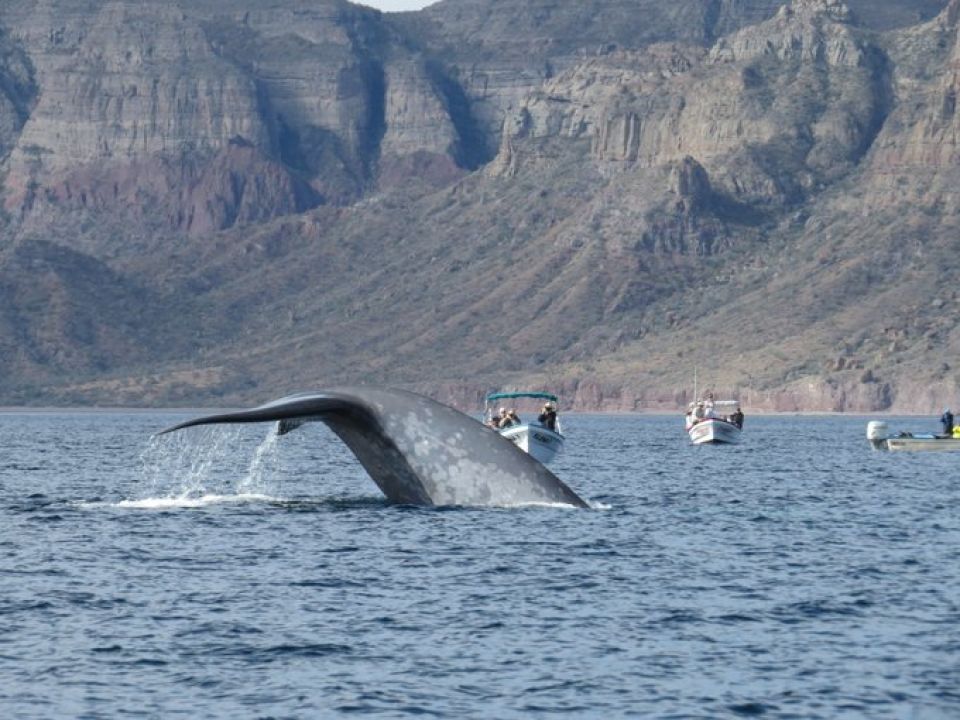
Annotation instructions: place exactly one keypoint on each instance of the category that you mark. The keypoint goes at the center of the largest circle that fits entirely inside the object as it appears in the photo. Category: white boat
(714, 421)
(534, 438)
(882, 438)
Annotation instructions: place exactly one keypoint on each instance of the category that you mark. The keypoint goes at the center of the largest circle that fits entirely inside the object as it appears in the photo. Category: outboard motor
(877, 433)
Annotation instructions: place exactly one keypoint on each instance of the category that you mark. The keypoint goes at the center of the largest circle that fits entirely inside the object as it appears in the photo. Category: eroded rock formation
(592, 196)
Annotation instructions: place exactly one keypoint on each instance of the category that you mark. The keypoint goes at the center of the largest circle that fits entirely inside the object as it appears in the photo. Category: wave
(186, 502)
(165, 503)
(183, 502)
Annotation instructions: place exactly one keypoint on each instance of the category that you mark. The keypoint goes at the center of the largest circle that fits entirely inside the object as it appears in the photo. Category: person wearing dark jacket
(548, 418)
(947, 420)
(737, 418)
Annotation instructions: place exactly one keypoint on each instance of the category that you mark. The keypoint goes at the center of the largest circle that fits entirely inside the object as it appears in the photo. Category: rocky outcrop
(761, 122)
(208, 114)
(143, 120)
(420, 137)
(805, 30)
(17, 91)
(415, 117)
(320, 84)
(195, 195)
(818, 395)
(90, 316)
(330, 93)
(143, 81)
(142, 86)
(916, 153)
(500, 53)
(250, 197)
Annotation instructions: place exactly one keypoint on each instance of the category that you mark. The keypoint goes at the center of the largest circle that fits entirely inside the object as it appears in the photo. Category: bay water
(225, 572)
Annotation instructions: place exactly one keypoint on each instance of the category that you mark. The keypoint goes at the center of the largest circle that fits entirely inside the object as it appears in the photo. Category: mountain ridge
(308, 194)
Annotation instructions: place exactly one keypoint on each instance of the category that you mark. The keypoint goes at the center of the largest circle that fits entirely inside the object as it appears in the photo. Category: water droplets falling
(207, 465)
(266, 466)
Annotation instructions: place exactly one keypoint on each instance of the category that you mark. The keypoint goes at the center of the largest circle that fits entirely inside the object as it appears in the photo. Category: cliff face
(500, 50)
(231, 199)
(315, 94)
(770, 116)
(17, 91)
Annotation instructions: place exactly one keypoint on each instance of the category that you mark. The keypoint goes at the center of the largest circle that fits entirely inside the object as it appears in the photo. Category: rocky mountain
(224, 200)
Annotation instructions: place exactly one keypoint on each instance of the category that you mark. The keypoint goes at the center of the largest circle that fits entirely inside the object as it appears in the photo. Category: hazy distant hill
(219, 201)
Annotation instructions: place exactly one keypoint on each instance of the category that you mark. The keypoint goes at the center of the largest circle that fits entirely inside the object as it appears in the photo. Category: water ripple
(231, 574)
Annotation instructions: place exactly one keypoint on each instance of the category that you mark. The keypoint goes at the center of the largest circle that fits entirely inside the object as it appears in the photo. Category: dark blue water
(217, 574)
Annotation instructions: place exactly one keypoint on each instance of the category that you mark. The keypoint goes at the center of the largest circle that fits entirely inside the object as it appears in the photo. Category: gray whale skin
(417, 451)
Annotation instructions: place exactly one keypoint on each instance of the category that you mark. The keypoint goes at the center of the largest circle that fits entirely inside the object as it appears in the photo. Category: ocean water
(226, 573)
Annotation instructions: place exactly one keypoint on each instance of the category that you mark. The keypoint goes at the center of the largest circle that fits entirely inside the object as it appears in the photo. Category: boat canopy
(513, 395)
(717, 403)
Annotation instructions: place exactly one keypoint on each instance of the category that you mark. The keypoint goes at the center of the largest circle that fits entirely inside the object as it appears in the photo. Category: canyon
(221, 201)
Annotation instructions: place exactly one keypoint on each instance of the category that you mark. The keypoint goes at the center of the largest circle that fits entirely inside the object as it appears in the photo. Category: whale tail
(415, 449)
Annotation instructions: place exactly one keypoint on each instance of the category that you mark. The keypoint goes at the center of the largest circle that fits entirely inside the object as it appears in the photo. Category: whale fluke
(417, 451)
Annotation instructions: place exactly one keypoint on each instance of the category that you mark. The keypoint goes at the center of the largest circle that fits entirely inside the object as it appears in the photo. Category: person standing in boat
(698, 412)
(737, 418)
(548, 418)
(947, 420)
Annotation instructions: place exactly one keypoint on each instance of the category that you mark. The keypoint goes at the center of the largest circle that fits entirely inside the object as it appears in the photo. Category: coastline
(200, 409)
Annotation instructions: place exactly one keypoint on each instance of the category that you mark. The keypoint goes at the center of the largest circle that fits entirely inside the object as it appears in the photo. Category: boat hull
(714, 432)
(539, 442)
(922, 444)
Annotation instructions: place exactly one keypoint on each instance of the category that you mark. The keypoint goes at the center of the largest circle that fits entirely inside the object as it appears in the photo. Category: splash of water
(173, 503)
(265, 464)
(185, 470)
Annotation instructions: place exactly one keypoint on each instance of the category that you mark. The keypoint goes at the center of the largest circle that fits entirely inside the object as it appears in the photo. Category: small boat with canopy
(714, 422)
(542, 439)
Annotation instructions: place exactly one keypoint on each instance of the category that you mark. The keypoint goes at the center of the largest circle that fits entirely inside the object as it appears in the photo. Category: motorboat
(882, 438)
(533, 437)
(714, 422)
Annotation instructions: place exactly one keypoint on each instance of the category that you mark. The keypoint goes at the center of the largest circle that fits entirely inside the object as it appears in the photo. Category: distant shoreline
(83, 410)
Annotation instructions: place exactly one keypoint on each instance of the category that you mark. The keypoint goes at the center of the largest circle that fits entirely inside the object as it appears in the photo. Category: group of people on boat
(706, 410)
(506, 418)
